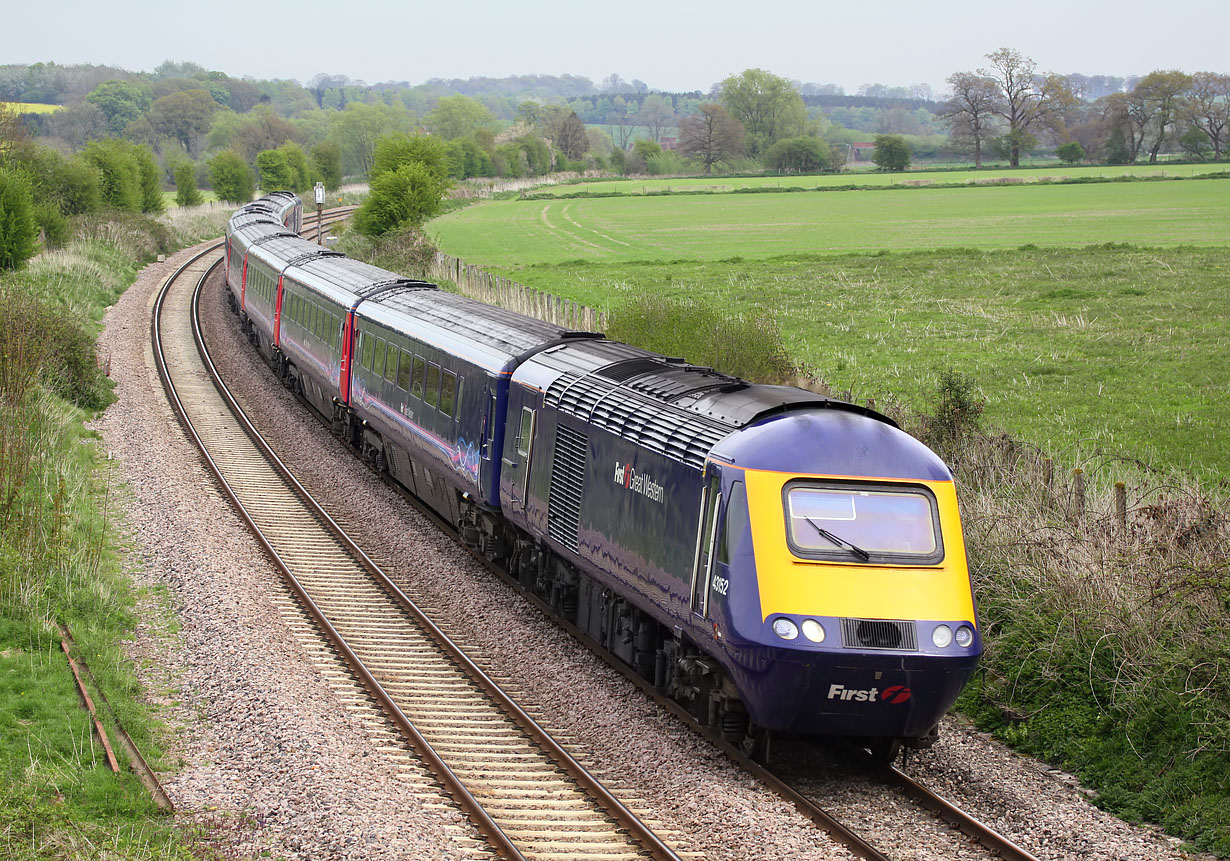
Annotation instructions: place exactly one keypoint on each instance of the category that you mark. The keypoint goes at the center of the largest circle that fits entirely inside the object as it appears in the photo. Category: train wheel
(875, 753)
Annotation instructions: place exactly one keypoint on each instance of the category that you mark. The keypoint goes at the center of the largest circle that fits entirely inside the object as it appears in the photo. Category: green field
(518, 233)
(1076, 345)
(862, 175)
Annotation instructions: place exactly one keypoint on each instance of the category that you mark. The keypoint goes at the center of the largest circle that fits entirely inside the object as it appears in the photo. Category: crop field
(33, 107)
(1076, 344)
(863, 175)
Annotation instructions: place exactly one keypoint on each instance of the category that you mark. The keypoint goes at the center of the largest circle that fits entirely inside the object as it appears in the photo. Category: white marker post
(320, 200)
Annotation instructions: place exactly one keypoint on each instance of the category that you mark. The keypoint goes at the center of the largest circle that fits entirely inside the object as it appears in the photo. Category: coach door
(523, 447)
(706, 536)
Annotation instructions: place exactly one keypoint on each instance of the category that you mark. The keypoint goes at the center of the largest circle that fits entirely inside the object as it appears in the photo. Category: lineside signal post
(320, 200)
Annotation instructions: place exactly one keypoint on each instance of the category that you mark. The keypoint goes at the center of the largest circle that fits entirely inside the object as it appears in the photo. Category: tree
(891, 153)
(656, 114)
(185, 117)
(326, 165)
(408, 195)
(1071, 152)
(230, 177)
(393, 151)
(1207, 108)
(78, 124)
(151, 180)
(358, 128)
(768, 107)
(711, 136)
(297, 165)
(1024, 101)
(637, 159)
(1159, 94)
(458, 116)
(121, 103)
(274, 172)
(186, 192)
(119, 173)
(798, 155)
(970, 110)
(18, 227)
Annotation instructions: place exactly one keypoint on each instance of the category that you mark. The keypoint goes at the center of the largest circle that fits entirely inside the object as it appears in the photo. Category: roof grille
(878, 634)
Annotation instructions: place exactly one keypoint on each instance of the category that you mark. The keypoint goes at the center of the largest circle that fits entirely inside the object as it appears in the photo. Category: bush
(798, 155)
(230, 177)
(1071, 152)
(186, 192)
(152, 200)
(18, 225)
(891, 152)
(120, 175)
(274, 172)
(296, 166)
(52, 223)
(327, 165)
(394, 151)
(408, 195)
(747, 346)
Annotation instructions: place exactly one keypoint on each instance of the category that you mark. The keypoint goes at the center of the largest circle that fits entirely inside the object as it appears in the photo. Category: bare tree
(711, 136)
(1026, 101)
(971, 110)
(1208, 108)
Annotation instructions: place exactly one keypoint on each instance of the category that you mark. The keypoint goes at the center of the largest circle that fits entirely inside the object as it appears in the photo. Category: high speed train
(775, 560)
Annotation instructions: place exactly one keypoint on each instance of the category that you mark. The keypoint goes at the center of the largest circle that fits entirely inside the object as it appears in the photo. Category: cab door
(516, 465)
(706, 539)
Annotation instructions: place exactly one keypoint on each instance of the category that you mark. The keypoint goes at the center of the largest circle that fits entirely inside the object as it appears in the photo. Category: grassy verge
(59, 562)
(1106, 350)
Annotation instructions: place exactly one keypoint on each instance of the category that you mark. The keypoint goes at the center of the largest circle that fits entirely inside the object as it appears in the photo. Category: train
(777, 561)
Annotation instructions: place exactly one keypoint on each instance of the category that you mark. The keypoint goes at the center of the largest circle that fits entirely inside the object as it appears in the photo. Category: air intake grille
(567, 486)
(878, 634)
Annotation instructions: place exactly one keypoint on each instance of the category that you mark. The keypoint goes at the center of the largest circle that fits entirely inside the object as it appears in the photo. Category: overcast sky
(669, 45)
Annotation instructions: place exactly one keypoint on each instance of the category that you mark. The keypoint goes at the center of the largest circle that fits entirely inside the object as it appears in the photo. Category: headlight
(813, 630)
(964, 636)
(784, 628)
(941, 636)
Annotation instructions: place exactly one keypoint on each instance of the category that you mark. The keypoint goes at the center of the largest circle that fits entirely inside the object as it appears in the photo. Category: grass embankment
(60, 563)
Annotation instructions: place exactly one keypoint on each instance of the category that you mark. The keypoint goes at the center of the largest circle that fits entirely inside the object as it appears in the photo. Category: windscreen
(862, 522)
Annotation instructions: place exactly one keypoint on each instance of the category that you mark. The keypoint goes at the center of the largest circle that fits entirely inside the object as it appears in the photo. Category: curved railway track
(526, 794)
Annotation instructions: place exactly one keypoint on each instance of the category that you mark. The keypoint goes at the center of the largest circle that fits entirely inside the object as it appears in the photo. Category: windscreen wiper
(840, 542)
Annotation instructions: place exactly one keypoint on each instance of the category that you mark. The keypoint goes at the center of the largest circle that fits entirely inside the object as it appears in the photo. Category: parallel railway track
(520, 788)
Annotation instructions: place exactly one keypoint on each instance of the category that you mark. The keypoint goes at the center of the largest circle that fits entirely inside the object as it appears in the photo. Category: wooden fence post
(1048, 477)
(1078, 489)
(1121, 506)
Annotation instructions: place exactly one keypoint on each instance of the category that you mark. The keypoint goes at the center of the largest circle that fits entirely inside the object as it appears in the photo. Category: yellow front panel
(807, 587)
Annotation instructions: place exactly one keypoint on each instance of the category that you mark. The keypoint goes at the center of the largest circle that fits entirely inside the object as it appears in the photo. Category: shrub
(18, 226)
(120, 175)
(798, 155)
(152, 200)
(747, 346)
(326, 162)
(230, 177)
(1071, 152)
(186, 192)
(394, 151)
(274, 171)
(891, 152)
(296, 166)
(408, 195)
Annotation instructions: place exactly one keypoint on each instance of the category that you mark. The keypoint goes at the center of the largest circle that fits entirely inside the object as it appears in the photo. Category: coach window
(433, 384)
(337, 332)
(448, 393)
(390, 365)
(365, 351)
(420, 371)
(403, 370)
(378, 361)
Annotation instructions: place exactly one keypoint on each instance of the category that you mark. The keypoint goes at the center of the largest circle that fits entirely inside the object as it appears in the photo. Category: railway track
(520, 789)
(475, 744)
